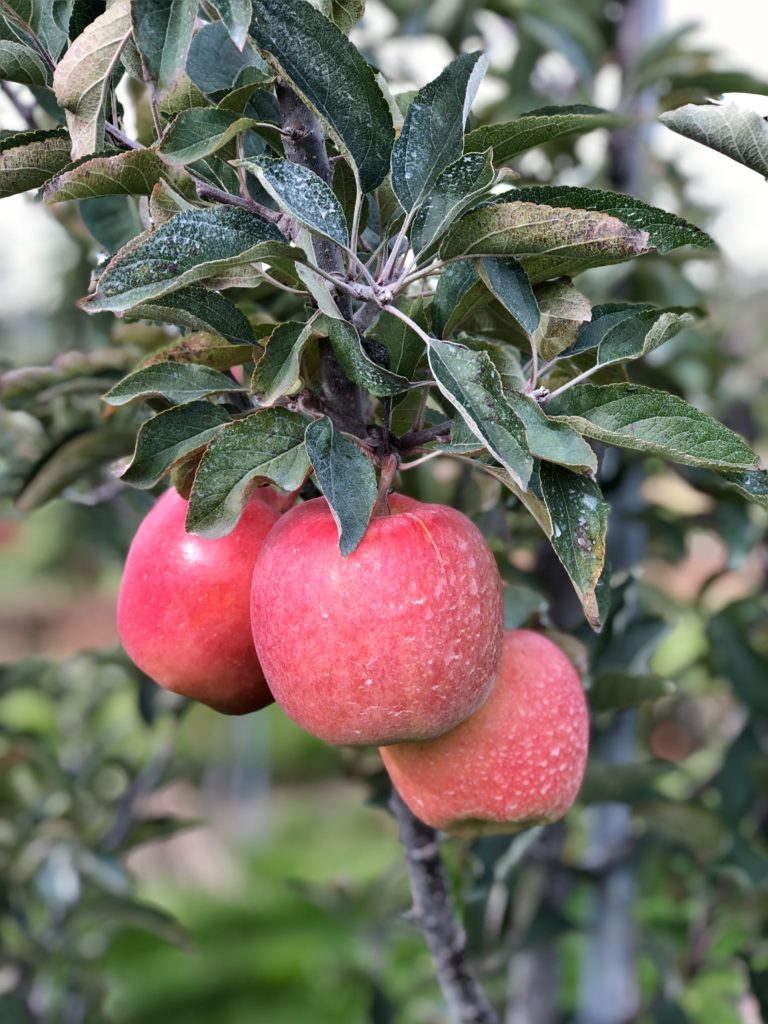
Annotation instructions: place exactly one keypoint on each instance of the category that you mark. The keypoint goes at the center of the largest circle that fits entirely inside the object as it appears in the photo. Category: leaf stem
(435, 915)
(571, 383)
(390, 308)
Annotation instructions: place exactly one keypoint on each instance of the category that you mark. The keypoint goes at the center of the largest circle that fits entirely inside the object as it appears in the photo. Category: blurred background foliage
(158, 862)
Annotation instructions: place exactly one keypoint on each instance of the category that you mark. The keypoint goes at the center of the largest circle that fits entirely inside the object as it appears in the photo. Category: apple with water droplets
(184, 606)
(399, 640)
(518, 761)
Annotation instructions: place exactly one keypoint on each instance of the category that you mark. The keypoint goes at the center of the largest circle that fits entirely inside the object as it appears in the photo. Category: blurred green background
(161, 863)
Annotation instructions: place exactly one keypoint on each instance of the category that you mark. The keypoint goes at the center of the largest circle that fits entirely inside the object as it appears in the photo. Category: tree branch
(304, 144)
(435, 915)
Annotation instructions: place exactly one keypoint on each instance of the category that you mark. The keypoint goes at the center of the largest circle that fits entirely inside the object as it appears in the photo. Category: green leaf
(303, 195)
(579, 516)
(563, 310)
(190, 247)
(70, 461)
(453, 289)
(735, 655)
(356, 364)
(83, 77)
(236, 15)
(455, 190)
(752, 485)
(344, 13)
(269, 445)
(432, 136)
(537, 127)
(215, 64)
(631, 416)
(505, 358)
(405, 347)
(205, 349)
(333, 78)
(163, 33)
(613, 690)
(133, 173)
(346, 478)
(546, 440)
(29, 159)
(169, 437)
(624, 331)
(471, 384)
(175, 382)
(199, 132)
(508, 282)
(549, 241)
(112, 220)
(199, 310)
(665, 230)
(19, 63)
(278, 371)
(732, 130)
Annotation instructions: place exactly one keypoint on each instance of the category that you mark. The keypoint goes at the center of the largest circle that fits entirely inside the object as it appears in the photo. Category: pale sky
(736, 29)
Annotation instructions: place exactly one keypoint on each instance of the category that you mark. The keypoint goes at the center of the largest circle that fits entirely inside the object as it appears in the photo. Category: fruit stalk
(434, 913)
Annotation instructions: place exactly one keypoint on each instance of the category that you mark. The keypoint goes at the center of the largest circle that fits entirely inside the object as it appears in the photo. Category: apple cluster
(400, 645)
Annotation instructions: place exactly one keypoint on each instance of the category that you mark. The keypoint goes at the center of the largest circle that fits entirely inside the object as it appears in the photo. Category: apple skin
(518, 761)
(399, 640)
(183, 612)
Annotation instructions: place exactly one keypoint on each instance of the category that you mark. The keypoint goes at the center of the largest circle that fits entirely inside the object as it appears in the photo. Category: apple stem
(435, 914)
(389, 467)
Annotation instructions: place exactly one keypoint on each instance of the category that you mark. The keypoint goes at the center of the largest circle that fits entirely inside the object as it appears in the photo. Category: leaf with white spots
(432, 136)
(303, 195)
(163, 33)
(632, 416)
(278, 371)
(84, 74)
(29, 159)
(537, 127)
(623, 331)
(133, 173)
(175, 382)
(190, 247)
(333, 78)
(357, 364)
(549, 241)
(579, 516)
(198, 132)
(457, 188)
(346, 478)
(727, 128)
(198, 309)
(266, 446)
(508, 282)
(171, 436)
(472, 385)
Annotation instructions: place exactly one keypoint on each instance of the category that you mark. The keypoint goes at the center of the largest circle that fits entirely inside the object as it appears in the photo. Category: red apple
(399, 640)
(518, 761)
(183, 612)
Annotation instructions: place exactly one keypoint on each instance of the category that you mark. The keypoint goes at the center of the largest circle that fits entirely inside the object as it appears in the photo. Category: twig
(417, 437)
(206, 191)
(123, 139)
(435, 915)
(571, 383)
